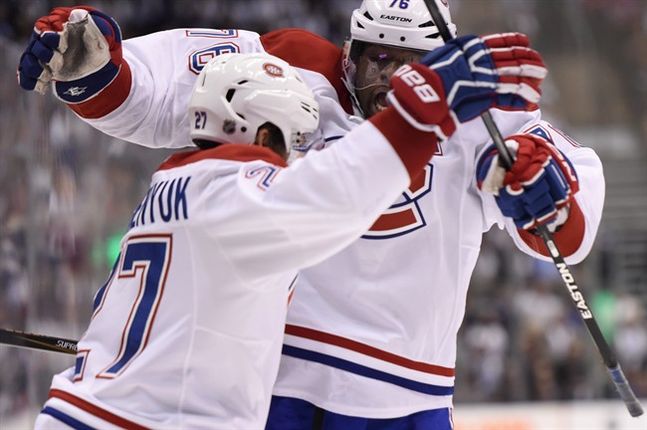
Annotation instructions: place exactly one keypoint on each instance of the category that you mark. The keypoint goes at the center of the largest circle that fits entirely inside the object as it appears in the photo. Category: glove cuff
(568, 237)
(108, 99)
(80, 90)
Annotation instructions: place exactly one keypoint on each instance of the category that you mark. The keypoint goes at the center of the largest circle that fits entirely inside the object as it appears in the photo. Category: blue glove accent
(536, 201)
(39, 51)
(107, 25)
(29, 66)
(468, 101)
(29, 69)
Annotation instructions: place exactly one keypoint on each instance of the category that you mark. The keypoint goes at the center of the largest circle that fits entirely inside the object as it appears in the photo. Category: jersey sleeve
(287, 219)
(576, 237)
(163, 68)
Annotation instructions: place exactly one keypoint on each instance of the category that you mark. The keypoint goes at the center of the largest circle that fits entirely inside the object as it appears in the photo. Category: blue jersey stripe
(72, 422)
(358, 369)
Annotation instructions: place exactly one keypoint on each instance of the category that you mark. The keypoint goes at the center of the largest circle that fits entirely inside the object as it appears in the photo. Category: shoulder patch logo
(273, 70)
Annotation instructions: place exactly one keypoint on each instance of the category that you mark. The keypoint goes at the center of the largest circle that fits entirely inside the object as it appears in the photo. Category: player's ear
(262, 137)
(270, 136)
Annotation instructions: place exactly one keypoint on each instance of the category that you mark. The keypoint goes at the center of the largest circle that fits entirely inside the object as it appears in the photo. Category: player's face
(375, 65)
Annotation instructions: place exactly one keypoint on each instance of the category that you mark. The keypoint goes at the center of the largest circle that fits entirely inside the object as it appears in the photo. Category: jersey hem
(365, 412)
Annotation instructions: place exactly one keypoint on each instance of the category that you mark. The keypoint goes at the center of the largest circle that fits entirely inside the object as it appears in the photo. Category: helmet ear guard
(404, 24)
(235, 94)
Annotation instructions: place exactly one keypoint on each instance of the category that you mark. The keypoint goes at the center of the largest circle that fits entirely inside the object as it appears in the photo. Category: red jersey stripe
(362, 348)
(94, 410)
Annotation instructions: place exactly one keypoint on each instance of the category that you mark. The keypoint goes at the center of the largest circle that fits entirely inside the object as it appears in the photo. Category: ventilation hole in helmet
(243, 129)
(427, 24)
(360, 25)
(240, 115)
(402, 38)
(305, 107)
(230, 94)
(381, 36)
(244, 81)
(433, 36)
(368, 15)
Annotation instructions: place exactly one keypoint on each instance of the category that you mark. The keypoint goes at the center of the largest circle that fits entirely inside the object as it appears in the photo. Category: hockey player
(187, 331)
(371, 333)
(206, 270)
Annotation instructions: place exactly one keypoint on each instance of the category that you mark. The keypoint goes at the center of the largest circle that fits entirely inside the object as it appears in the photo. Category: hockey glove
(462, 79)
(78, 48)
(539, 187)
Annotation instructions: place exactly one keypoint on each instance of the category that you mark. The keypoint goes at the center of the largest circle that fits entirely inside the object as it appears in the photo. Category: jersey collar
(229, 151)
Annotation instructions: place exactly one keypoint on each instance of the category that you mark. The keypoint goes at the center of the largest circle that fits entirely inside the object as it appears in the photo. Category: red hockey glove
(418, 96)
(539, 187)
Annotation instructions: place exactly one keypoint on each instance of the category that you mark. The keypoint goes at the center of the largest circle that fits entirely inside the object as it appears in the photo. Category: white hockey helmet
(401, 23)
(237, 93)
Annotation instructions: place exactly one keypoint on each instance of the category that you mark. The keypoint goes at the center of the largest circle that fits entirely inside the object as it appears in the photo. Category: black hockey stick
(37, 341)
(506, 161)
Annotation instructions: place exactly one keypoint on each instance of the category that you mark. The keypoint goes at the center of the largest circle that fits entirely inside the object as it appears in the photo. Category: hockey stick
(37, 341)
(506, 161)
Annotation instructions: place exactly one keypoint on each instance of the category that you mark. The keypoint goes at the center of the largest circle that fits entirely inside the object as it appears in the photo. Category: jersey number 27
(145, 260)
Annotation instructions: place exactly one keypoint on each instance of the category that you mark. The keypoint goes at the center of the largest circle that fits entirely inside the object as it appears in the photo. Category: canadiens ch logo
(273, 70)
(404, 216)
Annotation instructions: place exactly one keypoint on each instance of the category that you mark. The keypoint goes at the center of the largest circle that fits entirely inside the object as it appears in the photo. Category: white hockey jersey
(371, 331)
(187, 331)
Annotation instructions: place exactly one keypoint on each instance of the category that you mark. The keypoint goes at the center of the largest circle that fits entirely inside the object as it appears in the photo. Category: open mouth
(379, 99)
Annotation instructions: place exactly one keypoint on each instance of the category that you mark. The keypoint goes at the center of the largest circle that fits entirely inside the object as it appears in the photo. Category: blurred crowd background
(66, 194)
